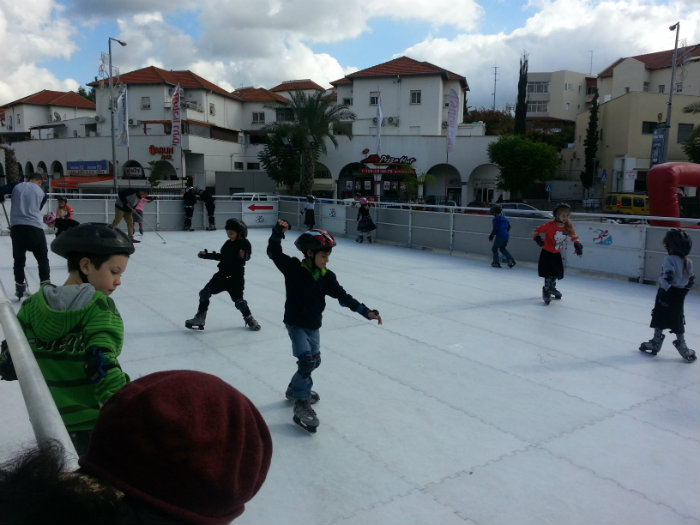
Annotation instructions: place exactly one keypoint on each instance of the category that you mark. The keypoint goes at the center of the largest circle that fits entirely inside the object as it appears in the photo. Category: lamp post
(111, 111)
(667, 126)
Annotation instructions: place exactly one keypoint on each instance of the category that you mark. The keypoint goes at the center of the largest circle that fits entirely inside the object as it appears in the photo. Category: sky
(473, 403)
(58, 44)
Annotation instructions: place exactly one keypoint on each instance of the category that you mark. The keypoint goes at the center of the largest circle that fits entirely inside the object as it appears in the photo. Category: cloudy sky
(57, 44)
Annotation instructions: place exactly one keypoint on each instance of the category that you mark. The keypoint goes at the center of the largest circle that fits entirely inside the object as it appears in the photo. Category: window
(284, 115)
(258, 117)
(237, 165)
(648, 127)
(679, 87)
(146, 103)
(568, 86)
(415, 96)
(212, 108)
(684, 131)
(662, 88)
(374, 98)
(348, 101)
(646, 87)
(538, 87)
(19, 119)
(538, 106)
(253, 165)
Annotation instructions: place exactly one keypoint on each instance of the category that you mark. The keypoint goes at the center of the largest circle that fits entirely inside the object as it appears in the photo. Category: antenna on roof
(56, 115)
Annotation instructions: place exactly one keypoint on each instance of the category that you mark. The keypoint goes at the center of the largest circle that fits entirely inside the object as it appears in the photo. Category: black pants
(189, 211)
(29, 239)
(224, 283)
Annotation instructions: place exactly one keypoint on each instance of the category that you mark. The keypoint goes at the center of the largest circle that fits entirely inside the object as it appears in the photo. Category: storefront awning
(71, 183)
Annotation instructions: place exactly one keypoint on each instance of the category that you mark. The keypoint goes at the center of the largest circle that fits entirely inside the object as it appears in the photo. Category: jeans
(29, 239)
(500, 243)
(306, 347)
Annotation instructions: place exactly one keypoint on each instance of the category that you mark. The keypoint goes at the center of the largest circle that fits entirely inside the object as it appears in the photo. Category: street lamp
(664, 152)
(111, 111)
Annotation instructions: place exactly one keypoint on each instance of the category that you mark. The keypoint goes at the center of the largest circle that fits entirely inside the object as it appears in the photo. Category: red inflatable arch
(663, 181)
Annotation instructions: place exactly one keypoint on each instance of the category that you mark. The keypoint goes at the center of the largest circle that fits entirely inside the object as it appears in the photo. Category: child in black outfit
(307, 283)
(676, 279)
(232, 258)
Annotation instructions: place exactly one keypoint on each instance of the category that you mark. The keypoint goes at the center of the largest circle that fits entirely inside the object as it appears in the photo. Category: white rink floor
(473, 403)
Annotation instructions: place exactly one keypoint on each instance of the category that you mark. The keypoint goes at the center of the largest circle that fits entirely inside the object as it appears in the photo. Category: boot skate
(20, 290)
(555, 293)
(686, 353)
(304, 415)
(369, 239)
(652, 346)
(313, 398)
(359, 239)
(496, 264)
(546, 295)
(197, 321)
(511, 263)
(251, 323)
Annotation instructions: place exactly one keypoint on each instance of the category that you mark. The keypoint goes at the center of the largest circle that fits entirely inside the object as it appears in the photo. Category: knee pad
(241, 304)
(307, 363)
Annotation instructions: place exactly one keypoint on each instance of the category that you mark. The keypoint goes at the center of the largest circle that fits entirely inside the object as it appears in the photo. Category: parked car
(478, 204)
(522, 209)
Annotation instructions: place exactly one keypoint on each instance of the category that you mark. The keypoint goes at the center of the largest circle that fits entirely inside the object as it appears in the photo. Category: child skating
(676, 279)
(550, 265)
(309, 212)
(364, 221)
(235, 252)
(307, 283)
(500, 228)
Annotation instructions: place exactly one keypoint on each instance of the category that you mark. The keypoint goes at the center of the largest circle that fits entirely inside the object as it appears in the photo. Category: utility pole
(495, 73)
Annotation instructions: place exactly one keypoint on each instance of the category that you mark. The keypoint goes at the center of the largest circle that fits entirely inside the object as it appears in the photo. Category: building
(633, 99)
(555, 99)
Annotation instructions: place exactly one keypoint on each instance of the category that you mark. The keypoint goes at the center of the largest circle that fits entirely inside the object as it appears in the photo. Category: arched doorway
(324, 185)
(56, 169)
(163, 170)
(446, 185)
(29, 169)
(351, 181)
(483, 184)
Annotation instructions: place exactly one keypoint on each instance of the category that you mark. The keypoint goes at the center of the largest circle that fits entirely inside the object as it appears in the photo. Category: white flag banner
(380, 117)
(122, 119)
(452, 113)
(175, 131)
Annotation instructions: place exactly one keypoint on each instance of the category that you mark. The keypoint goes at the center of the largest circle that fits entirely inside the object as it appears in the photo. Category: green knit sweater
(62, 324)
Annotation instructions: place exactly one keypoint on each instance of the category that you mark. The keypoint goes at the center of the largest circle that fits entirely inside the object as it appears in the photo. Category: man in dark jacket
(189, 198)
(27, 228)
(124, 206)
(208, 199)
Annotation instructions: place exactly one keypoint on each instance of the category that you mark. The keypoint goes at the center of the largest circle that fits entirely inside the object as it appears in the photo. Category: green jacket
(62, 324)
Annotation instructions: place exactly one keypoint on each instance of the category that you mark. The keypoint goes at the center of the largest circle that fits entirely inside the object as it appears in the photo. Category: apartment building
(555, 99)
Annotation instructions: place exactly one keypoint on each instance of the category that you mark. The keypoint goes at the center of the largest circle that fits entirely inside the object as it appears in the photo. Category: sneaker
(496, 264)
(304, 415)
(313, 398)
(135, 240)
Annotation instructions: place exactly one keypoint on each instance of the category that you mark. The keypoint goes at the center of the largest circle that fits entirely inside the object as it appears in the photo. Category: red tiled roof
(658, 60)
(46, 97)
(156, 75)
(251, 94)
(297, 85)
(403, 66)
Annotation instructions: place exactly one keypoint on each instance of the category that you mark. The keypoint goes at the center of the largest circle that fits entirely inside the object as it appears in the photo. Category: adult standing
(124, 208)
(27, 229)
(208, 199)
(189, 198)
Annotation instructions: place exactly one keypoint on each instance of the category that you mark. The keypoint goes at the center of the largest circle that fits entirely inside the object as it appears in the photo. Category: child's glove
(539, 241)
(490, 237)
(578, 248)
(278, 228)
(203, 254)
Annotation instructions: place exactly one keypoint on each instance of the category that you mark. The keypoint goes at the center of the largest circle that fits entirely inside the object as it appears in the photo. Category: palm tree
(316, 118)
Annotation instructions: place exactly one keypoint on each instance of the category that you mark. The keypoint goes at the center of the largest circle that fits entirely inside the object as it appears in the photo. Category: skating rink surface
(473, 403)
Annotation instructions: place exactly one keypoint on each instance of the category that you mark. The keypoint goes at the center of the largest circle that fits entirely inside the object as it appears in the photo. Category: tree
(497, 122)
(692, 145)
(281, 160)
(521, 105)
(590, 145)
(522, 162)
(11, 167)
(90, 96)
(315, 118)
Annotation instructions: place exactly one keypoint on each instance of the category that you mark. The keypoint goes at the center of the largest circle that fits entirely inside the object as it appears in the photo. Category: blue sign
(547, 188)
(603, 176)
(87, 167)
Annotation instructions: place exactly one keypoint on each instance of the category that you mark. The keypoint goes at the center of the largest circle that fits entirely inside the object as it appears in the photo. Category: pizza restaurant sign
(165, 152)
(386, 164)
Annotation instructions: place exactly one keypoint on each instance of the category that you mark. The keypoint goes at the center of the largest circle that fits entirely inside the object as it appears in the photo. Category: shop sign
(165, 152)
(87, 168)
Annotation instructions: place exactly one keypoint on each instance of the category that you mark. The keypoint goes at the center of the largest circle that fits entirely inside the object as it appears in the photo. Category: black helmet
(92, 238)
(316, 241)
(61, 199)
(496, 209)
(678, 242)
(238, 226)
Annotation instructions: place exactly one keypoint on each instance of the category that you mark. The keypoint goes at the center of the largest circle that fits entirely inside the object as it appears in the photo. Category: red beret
(184, 442)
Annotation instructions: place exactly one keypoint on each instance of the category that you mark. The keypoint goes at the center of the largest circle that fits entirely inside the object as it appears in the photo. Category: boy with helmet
(550, 265)
(75, 330)
(500, 228)
(676, 279)
(307, 283)
(235, 252)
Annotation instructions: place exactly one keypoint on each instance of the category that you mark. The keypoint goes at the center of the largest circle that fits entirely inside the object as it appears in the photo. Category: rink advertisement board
(609, 247)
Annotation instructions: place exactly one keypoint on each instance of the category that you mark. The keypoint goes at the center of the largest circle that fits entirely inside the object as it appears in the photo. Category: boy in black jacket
(232, 258)
(307, 283)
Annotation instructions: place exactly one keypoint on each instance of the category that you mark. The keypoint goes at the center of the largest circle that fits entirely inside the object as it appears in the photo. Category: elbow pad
(96, 366)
